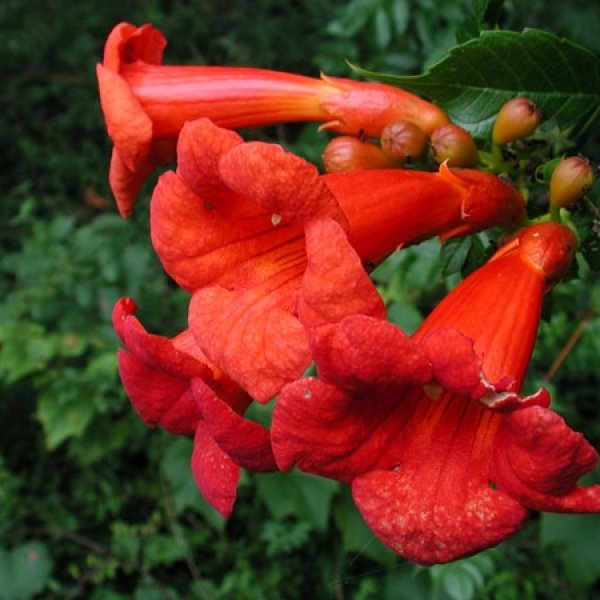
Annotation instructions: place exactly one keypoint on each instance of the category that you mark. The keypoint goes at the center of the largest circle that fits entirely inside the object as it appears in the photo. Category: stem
(568, 347)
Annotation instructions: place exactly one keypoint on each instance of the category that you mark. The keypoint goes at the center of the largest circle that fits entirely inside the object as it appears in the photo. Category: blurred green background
(94, 505)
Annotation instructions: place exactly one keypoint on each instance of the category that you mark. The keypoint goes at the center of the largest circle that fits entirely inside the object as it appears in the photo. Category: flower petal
(158, 351)
(126, 184)
(456, 365)
(361, 350)
(316, 428)
(127, 43)
(223, 239)
(215, 474)
(282, 183)
(158, 398)
(128, 125)
(156, 374)
(431, 516)
(418, 465)
(538, 460)
(252, 336)
(199, 150)
(335, 283)
(246, 442)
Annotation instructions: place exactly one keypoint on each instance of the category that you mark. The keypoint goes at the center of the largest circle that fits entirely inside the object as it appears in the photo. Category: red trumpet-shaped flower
(146, 104)
(236, 221)
(443, 455)
(170, 383)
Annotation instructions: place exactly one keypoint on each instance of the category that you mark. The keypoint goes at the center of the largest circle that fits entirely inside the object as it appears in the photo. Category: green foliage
(92, 503)
(479, 76)
(463, 579)
(576, 538)
(24, 570)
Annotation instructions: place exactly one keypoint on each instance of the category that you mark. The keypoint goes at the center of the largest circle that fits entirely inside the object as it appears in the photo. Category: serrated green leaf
(476, 78)
(25, 348)
(63, 416)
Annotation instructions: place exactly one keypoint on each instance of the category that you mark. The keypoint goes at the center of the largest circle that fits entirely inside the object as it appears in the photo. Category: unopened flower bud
(404, 141)
(454, 144)
(515, 120)
(349, 153)
(569, 181)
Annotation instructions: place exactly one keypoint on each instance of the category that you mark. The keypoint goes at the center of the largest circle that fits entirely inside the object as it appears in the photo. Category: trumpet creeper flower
(235, 223)
(145, 103)
(444, 455)
(171, 383)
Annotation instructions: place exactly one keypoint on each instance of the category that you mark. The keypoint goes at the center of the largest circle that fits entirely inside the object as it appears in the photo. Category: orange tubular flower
(443, 455)
(145, 104)
(170, 383)
(233, 225)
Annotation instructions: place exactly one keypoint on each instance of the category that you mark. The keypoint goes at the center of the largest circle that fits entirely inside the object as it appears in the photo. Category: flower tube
(230, 226)
(145, 103)
(171, 383)
(444, 456)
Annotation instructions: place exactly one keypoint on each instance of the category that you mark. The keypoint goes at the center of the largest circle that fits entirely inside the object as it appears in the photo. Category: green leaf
(63, 415)
(297, 494)
(476, 78)
(383, 29)
(454, 254)
(25, 348)
(185, 495)
(459, 584)
(357, 538)
(24, 570)
(353, 18)
(400, 12)
(578, 539)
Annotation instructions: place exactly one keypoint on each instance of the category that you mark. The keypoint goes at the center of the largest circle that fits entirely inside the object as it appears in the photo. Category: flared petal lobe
(539, 460)
(156, 375)
(171, 383)
(215, 473)
(246, 442)
(444, 457)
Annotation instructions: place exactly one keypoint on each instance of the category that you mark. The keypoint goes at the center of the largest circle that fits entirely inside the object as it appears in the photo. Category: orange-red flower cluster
(443, 454)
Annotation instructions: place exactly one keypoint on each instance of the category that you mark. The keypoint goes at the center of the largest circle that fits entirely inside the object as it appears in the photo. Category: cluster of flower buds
(402, 143)
(443, 453)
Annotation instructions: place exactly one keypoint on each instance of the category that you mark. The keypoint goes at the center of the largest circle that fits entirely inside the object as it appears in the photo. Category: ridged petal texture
(443, 455)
